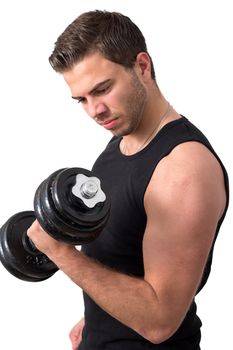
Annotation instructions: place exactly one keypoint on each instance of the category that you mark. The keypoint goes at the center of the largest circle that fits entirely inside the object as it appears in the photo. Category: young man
(168, 189)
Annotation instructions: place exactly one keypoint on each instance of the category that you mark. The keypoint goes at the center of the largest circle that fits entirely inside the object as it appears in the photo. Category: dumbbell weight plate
(68, 204)
(52, 222)
(20, 262)
(63, 215)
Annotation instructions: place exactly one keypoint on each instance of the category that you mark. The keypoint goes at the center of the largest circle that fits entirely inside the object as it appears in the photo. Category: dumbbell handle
(29, 245)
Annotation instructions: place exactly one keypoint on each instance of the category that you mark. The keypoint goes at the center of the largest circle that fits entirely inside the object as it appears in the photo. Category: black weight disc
(33, 267)
(49, 218)
(53, 224)
(62, 219)
(71, 207)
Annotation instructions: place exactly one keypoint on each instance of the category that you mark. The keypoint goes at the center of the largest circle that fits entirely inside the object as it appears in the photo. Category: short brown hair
(112, 34)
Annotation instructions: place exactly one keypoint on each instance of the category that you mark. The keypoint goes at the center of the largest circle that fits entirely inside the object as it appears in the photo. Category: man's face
(113, 96)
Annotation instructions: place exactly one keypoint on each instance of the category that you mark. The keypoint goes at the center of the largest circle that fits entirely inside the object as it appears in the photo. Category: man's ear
(143, 65)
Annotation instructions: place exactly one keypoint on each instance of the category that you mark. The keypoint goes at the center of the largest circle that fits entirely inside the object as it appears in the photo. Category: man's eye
(81, 100)
(102, 91)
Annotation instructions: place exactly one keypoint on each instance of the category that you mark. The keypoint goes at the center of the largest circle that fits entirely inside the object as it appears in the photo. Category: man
(168, 190)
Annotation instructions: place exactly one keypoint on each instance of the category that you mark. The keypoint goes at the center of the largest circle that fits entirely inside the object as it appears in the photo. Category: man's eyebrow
(96, 87)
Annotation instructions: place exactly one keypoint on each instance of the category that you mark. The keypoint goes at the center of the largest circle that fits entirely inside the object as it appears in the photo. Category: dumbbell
(71, 205)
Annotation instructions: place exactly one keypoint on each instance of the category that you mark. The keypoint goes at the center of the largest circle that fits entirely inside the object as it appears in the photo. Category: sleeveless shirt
(119, 245)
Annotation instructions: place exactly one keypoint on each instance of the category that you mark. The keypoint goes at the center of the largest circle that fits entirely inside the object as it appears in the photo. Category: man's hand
(76, 334)
(47, 244)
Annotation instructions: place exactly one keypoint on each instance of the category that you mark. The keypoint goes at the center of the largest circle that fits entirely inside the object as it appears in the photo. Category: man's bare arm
(183, 209)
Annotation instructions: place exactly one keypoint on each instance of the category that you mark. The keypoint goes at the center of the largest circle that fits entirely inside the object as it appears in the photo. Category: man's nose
(96, 109)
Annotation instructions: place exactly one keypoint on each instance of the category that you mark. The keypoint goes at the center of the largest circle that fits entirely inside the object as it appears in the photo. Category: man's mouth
(109, 124)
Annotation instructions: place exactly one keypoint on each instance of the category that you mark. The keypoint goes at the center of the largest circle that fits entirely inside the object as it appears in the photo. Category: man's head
(113, 96)
(112, 34)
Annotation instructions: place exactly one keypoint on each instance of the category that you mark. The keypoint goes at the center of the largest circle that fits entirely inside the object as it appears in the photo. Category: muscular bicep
(183, 204)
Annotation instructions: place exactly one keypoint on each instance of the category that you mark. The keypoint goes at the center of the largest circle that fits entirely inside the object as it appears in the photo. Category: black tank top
(119, 246)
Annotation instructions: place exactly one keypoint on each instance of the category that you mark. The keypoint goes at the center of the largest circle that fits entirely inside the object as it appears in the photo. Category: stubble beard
(134, 107)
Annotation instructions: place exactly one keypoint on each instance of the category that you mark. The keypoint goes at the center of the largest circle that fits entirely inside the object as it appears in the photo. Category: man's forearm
(130, 300)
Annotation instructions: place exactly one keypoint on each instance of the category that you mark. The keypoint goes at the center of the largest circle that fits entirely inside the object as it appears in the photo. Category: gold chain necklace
(153, 133)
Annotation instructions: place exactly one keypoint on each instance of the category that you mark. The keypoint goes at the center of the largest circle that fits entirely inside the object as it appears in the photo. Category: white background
(43, 130)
